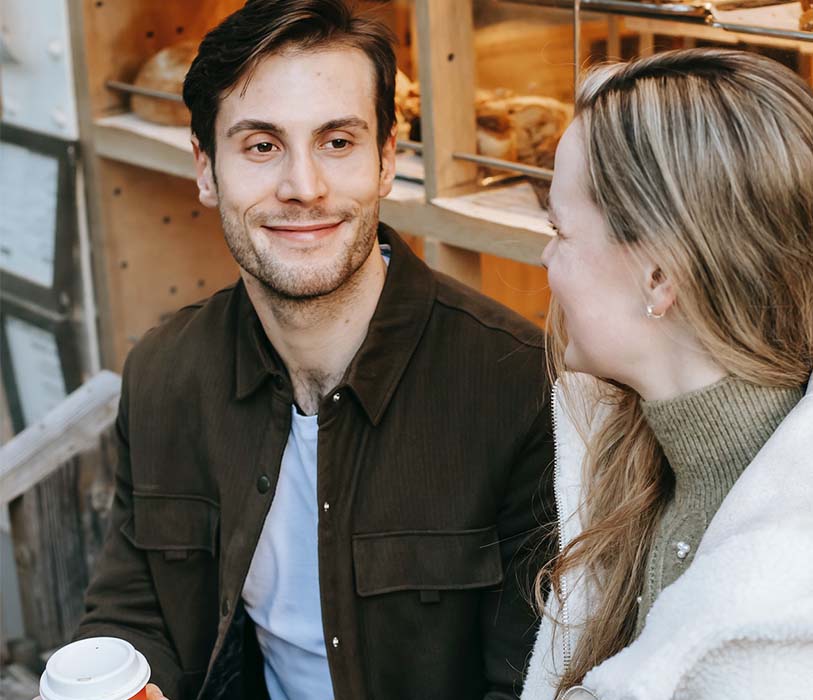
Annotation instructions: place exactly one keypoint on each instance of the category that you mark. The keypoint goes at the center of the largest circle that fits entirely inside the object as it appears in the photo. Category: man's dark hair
(266, 27)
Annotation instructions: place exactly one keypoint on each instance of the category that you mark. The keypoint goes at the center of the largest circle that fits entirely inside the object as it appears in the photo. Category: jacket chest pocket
(178, 534)
(427, 561)
(174, 525)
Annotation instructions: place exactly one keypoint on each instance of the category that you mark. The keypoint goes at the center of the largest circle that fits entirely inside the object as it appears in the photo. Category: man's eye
(264, 147)
(339, 144)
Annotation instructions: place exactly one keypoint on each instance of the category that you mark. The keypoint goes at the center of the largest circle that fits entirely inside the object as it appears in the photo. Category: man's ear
(660, 292)
(207, 189)
(387, 173)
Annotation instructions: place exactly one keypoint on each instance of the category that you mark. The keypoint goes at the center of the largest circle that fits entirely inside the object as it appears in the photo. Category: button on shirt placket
(328, 479)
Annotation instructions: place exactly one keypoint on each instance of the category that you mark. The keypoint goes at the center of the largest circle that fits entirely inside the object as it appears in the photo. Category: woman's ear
(660, 292)
(207, 189)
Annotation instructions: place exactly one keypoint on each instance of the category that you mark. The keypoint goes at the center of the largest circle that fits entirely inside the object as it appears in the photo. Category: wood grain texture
(164, 250)
(58, 528)
(446, 72)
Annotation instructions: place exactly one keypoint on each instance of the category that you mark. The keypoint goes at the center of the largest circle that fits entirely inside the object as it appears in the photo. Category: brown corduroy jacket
(434, 455)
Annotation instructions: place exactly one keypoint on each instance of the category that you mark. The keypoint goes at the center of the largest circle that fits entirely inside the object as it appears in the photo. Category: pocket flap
(169, 522)
(426, 560)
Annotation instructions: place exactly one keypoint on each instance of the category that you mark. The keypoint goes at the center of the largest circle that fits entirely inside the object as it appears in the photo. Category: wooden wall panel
(523, 288)
(532, 58)
(163, 250)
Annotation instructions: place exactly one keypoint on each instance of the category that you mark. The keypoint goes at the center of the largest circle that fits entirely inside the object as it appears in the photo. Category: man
(329, 472)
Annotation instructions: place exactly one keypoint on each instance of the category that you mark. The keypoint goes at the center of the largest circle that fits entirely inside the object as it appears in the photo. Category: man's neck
(318, 338)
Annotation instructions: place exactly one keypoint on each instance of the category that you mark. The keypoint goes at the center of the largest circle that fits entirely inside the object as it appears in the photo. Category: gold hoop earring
(650, 312)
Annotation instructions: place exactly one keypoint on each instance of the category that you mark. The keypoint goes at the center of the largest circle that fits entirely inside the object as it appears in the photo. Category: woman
(682, 276)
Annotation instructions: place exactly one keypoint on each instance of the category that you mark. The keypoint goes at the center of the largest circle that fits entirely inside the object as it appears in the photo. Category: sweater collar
(710, 436)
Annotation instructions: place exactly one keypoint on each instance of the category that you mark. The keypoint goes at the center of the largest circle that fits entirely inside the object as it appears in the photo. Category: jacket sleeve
(746, 669)
(508, 621)
(121, 600)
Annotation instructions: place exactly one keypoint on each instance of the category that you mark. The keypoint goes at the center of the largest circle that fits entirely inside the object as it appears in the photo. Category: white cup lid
(99, 668)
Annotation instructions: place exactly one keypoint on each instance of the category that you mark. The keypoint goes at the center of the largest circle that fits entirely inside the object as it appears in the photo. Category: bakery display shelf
(506, 221)
(767, 19)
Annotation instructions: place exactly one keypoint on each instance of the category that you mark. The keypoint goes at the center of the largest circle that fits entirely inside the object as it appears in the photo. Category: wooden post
(646, 45)
(613, 38)
(446, 69)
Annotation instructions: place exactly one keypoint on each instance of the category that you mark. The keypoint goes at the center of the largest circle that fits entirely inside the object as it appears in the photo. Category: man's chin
(297, 284)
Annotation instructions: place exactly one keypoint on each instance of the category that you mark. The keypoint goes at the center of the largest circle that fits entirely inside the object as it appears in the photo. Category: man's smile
(304, 232)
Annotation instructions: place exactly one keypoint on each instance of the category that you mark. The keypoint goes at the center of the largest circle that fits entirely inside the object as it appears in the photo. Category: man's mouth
(304, 232)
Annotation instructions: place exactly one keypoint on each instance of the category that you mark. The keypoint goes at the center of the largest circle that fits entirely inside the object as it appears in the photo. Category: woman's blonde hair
(703, 160)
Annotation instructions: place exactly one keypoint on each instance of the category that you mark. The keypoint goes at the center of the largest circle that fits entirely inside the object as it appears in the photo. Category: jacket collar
(759, 530)
(395, 330)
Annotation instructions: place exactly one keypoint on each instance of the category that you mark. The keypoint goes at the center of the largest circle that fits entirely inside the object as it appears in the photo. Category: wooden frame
(63, 333)
(57, 296)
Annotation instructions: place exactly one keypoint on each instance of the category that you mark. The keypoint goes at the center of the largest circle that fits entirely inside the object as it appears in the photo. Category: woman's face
(599, 283)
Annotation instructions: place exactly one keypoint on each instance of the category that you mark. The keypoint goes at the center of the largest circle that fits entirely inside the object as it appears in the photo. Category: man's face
(299, 174)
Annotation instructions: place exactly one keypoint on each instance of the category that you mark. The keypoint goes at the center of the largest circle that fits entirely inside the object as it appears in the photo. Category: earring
(650, 312)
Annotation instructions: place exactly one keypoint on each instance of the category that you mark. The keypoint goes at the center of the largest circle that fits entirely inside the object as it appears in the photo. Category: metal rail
(146, 92)
(415, 146)
(510, 166)
(692, 12)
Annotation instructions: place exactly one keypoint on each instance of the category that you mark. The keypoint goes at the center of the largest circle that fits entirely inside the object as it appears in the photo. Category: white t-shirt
(281, 592)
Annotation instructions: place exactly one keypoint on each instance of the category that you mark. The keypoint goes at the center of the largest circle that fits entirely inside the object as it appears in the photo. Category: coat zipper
(557, 485)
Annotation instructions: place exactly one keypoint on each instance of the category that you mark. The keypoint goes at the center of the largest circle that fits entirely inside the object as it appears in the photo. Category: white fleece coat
(738, 624)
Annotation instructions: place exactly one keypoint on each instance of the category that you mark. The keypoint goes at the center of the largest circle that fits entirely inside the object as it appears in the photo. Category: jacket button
(337, 397)
(263, 484)
(335, 642)
(326, 506)
(224, 607)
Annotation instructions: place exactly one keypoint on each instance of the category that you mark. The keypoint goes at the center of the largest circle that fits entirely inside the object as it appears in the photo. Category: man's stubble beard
(300, 282)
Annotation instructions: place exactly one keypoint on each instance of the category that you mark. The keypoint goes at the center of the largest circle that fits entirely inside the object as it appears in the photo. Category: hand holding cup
(102, 668)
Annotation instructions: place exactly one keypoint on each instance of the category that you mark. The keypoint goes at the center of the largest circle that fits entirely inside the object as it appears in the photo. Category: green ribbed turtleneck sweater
(709, 437)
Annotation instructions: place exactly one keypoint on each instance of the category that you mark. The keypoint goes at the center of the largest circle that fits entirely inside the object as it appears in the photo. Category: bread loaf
(165, 72)
(535, 124)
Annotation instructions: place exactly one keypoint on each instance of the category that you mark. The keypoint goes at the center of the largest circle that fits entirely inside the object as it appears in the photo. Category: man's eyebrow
(344, 123)
(274, 130)
(255, 125)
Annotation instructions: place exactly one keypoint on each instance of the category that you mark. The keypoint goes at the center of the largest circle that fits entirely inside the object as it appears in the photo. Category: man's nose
(303, 180)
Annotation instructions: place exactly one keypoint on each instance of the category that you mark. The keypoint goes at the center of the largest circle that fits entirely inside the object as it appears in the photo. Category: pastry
(523, 128)
(165, 72)
(535, 123)
(407, 104)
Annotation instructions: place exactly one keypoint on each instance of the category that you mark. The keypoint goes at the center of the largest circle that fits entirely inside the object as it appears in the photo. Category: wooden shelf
(774, 17)
(777, 22)
(507, 222)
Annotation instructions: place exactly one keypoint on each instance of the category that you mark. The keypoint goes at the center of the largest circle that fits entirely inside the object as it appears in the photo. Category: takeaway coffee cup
(99, 668)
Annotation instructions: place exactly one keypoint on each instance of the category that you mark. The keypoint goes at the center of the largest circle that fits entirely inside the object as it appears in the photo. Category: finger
(154, 692)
